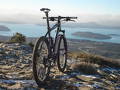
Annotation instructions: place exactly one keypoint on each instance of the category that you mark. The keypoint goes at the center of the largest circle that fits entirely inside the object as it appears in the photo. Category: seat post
(46, 11)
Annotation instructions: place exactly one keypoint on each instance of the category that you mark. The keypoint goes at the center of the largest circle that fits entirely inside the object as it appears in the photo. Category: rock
(16, 72)
(85, 88)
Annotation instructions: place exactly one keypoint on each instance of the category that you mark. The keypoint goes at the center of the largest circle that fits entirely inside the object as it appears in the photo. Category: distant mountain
(4, 28)
(92, 35)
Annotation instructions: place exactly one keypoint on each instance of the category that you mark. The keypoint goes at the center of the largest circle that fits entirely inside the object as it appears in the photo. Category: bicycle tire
(61, 68)
(36, 56)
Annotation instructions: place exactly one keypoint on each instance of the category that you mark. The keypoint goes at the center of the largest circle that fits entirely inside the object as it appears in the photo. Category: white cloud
(36, 18)
(107, 20)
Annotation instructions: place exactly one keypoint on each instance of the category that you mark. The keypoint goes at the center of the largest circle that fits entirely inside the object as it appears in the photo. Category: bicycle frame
(57, 25)
(52, 44)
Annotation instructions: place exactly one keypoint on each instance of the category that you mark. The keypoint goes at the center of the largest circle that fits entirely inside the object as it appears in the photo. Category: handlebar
(59, 17)
(46, 10)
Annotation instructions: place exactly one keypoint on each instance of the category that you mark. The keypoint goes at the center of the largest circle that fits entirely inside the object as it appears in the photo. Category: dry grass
(95, 59)
(87, 68)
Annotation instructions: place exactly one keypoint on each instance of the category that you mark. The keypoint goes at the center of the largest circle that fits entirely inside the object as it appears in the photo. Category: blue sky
(88, 10)
(66, 6)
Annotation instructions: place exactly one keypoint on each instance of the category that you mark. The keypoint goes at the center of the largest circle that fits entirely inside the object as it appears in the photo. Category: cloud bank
(86, 19)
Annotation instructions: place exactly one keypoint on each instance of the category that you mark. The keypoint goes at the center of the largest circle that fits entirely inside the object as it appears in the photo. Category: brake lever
(73, 20)
(69, 20)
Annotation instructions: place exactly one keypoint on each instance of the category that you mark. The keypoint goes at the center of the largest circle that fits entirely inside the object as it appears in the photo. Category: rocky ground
(110, 50)
(16, 73)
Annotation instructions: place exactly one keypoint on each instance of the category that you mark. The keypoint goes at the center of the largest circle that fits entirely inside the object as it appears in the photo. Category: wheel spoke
(41, 60)
(62, 54)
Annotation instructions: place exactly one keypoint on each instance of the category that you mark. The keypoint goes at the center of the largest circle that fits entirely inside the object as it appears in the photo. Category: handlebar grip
(72, 17)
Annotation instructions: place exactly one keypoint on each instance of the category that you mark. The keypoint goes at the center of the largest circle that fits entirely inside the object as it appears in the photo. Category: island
(114, 35)
(4, 28)
(92, 35)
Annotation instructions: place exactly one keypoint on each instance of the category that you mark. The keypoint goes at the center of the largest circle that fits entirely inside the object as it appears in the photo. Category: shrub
(31, 44)
(1, 42)
(87, 68)
(18, 38)
(94, 59)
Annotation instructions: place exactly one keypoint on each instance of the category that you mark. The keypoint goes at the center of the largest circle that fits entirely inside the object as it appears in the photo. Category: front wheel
(62, 53)
(41, 65)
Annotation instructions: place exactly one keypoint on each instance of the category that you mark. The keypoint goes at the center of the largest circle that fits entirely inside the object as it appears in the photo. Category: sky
(28, 11)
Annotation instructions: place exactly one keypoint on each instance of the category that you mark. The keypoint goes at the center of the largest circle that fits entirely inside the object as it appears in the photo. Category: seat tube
(48, 25)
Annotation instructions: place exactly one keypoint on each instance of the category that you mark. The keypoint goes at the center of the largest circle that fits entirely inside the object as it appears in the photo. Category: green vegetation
(1, 41)
(89, 64)
(18, 38)
(94, 59)
(31, 44)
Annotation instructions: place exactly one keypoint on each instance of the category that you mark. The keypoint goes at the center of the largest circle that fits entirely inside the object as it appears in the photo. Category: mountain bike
(48, 51)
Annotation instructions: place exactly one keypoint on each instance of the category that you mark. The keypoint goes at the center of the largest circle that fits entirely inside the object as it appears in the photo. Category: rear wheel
(62, 53)
(41, 64)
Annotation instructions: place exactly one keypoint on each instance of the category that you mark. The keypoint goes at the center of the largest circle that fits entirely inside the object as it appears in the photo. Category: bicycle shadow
(60, 82)
(58, 85)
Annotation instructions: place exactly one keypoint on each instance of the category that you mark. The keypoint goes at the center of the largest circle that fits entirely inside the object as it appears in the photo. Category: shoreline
(92, 35)
(107, 49)
(33, 39)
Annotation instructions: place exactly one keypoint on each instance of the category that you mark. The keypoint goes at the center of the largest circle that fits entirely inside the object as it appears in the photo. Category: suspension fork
(57, 34)
(59, 26)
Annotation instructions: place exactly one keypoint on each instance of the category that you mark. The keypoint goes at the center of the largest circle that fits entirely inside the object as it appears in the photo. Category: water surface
(33, 30)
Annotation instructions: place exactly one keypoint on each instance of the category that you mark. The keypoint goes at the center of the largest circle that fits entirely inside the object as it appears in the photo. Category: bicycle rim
(40, 60)
(62, 54)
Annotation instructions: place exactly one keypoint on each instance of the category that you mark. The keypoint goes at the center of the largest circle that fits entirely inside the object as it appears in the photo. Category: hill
(84, 71)
(92, 35)
(110, 50)
(4, 28)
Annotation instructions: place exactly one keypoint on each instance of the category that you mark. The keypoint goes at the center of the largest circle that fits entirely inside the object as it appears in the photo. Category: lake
(33, 30)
